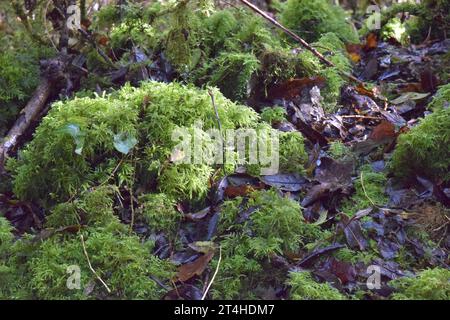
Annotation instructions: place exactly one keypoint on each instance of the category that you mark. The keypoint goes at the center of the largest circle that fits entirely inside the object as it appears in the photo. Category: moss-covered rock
(311, 19)
(424, 150)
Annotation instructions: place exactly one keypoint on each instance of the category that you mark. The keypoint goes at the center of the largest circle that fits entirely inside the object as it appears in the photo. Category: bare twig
(90, 266)
(215, 274)
(365, 193)
(299, 40)
(218, 121)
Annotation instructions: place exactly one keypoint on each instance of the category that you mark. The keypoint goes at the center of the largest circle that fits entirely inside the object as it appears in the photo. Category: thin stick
(90, 266)
(215, 274)
(365, 193)
(358, 116)
(218, 122)
(299, 40)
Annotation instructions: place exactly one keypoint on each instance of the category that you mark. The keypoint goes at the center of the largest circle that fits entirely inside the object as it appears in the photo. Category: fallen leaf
(189, 270)
(371, 42)
(353, 233)
(285, 182)
(409, 96)
(354, 51)
(292, 88)
(384, 131)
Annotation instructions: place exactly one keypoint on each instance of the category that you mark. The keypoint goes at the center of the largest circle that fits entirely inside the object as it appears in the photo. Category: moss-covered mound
(232, 49)
(429, 284)
(275, 227)
(425, 150)
(312, 18)
(82, 142)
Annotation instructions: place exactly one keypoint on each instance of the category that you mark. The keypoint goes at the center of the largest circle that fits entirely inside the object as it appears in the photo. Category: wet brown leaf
(189, 270)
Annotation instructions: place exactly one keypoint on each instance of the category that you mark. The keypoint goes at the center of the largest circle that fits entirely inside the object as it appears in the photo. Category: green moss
(275, 226)
(120, 260)
(293, 156)
(50, 159)
(312, 18)
(20, 77)
(232, 72)
(159, 212)
(370, 189)
(395, 29)
(329, 42)
(348, 255)
(430, 284)
(273, 115)
(424, 149)
(441, 99)
(429, 17)
(338, 150)
(304, 287)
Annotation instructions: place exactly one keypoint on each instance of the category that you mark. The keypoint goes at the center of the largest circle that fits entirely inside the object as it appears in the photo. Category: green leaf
(77, 135)
(124, 142)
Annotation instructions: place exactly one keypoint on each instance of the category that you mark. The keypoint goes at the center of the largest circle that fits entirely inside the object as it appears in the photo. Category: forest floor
(359, 208)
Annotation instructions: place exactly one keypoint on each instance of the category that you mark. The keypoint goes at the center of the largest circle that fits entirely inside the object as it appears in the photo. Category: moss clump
(293, 156)
(273, 115)
(275, 226)
(304, 287)
(428, 16)
(158, 211)
(104, 125)
(441, 99)
(352, 256)
(310, 19)
(327, 43)
(232, 74)
(430, 284)
(338, 150)
(368, 191)
(424, 149)
(121, 260)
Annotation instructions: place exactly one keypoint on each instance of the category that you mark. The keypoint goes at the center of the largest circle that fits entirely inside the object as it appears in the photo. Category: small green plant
(304, 287)
(424, 149)
(430, 284)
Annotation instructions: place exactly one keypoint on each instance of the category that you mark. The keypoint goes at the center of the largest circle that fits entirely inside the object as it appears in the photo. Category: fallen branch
(29, 114)
(304, 44)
